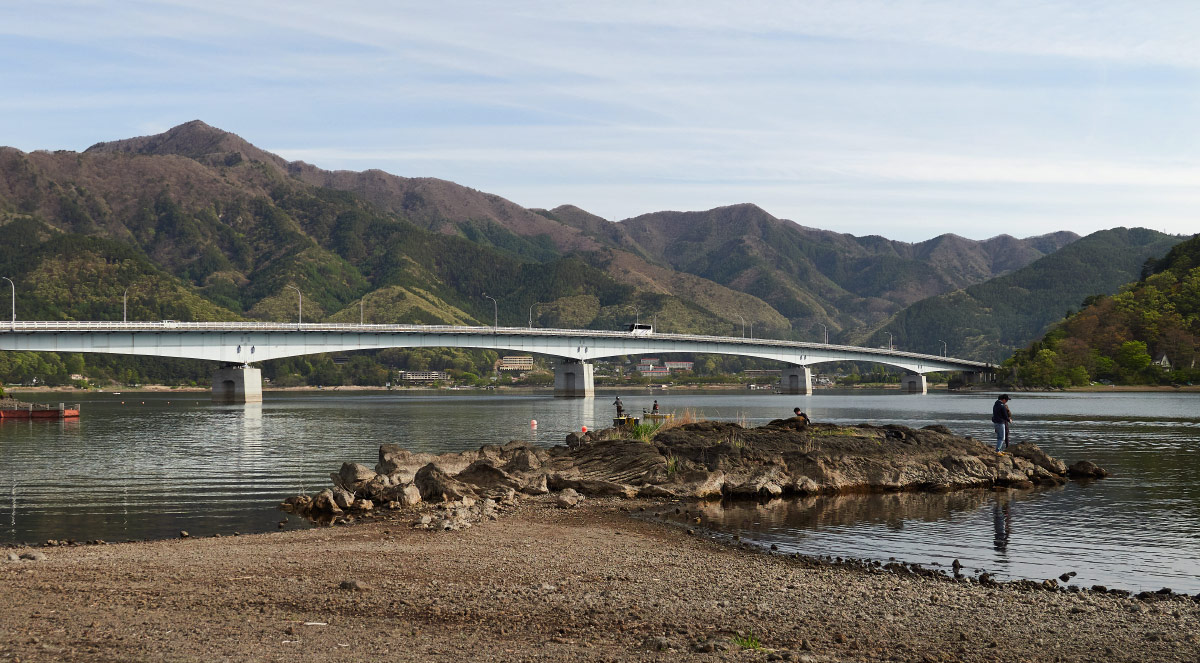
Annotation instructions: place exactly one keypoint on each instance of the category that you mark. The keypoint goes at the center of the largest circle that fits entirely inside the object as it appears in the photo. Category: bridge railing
(311, 327)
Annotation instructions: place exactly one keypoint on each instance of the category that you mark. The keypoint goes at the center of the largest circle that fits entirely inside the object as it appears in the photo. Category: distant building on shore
(424, 376)
(516, 363)
(649, 366)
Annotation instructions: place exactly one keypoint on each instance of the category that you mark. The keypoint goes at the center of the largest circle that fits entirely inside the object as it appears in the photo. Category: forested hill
(813, 277)
(989, 320)
(1147, 333)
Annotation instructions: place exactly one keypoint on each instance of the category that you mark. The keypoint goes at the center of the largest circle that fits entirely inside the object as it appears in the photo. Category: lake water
(140, 466)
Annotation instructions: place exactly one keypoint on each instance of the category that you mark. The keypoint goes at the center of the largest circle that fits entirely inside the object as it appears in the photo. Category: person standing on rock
(620, 407)
(1002, 418)
(655, 408)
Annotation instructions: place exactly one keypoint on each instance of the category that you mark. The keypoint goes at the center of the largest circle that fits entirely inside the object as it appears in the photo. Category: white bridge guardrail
(176, 326)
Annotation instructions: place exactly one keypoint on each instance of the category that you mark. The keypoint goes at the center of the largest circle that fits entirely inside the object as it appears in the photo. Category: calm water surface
(148, 465)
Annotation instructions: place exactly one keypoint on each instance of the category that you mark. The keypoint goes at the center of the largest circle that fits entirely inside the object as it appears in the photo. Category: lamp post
(826, 333)
(636, 317)
(14, 301)
(751, 329)
(889, 339)
(361, 300)
(495, 312)
(300, 306)
(535, 305)
(739, 315)
(945, 349)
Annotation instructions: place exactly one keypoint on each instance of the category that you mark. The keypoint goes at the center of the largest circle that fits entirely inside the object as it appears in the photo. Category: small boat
(625, 422)
(10, 408)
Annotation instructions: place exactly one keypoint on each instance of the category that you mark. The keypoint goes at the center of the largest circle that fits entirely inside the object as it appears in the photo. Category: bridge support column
(574, 379)
(914, 383)
(237, 384)
(795, 380)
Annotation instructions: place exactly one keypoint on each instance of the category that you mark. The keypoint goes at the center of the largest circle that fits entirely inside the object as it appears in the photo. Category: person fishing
(655, 408)
(620, 407)
(1002, 418)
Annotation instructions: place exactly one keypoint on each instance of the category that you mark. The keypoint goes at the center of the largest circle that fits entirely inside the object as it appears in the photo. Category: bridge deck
(121, 337)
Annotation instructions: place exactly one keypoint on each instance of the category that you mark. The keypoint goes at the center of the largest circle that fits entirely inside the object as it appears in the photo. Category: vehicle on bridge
(638, 329)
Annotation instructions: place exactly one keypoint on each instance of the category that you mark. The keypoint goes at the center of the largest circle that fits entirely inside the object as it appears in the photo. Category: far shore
(629, 388)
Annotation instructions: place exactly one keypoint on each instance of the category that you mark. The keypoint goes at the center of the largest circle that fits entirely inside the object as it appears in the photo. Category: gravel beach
(540, 583)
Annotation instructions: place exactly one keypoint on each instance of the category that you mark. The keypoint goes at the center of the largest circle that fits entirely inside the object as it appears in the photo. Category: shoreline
(589, 583)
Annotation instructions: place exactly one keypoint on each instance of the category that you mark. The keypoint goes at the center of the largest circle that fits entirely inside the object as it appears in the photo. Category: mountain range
(197, 223)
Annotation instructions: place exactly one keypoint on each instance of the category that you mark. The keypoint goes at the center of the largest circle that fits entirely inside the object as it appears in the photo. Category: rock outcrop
(705, 460)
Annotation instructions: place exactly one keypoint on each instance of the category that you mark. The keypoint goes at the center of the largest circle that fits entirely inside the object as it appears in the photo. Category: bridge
(238, 344)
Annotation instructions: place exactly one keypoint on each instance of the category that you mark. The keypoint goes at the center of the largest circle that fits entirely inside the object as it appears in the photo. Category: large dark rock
(1085, 469)
(352, 477)
(1034, 454)
(795, 423)
(436, 486)
(325, 505)
(523, 460)
(484, 474)
(392, 458)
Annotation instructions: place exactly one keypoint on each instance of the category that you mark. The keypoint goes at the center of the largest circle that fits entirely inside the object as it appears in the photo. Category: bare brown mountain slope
(431, 203)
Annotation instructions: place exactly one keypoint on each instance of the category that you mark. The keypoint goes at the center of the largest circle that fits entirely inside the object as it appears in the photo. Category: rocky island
(700, 460)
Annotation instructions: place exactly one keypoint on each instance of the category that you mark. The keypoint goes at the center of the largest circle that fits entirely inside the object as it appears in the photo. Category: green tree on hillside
(1124, 338)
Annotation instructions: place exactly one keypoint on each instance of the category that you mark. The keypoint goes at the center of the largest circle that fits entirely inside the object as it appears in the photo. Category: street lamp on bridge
(826, 333)
(495, 312)
(300, 306)
(739, 315)
(533, 306)
(14, 301)
(125, 304)
(890, 346)
(945, 349)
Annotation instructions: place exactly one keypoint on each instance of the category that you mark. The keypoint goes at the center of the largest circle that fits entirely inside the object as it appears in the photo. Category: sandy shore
(540, 583)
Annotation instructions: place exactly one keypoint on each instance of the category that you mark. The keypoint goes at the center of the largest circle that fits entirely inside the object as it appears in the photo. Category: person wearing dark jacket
(1002, 418)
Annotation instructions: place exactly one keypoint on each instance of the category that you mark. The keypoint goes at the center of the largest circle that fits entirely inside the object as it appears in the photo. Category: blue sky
(904, 119)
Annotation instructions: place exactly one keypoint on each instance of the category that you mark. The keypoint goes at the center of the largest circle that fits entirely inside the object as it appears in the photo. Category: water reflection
(1002, 524)
(807, 515)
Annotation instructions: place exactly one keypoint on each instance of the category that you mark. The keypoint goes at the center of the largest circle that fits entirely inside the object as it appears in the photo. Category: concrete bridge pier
(978, 377)
(237, 383)
(574, 379)
(795, 380)
(914, 383)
